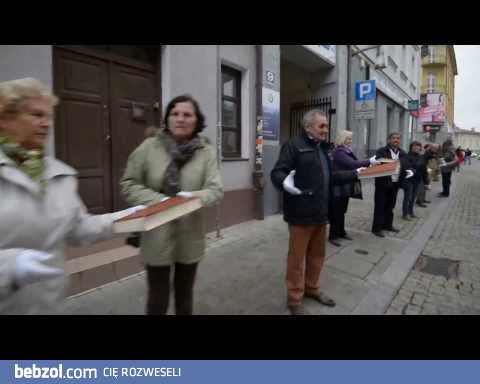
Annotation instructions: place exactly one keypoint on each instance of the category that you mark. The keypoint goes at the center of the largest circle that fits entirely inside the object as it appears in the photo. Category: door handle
(108, 137)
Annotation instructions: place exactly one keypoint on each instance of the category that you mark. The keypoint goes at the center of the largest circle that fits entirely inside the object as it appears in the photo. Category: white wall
(238, 174)
(192, 69)
(389, 80)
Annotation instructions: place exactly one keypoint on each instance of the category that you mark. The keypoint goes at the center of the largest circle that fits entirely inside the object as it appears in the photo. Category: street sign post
(365, 100)
(413, 105)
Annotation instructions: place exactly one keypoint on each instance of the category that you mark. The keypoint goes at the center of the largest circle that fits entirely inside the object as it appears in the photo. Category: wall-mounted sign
(271, 114)
(270, 77)
(365, 100)
(413, 105)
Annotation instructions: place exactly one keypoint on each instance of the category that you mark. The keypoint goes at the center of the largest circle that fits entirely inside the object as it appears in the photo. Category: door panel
(82, 124)
(131, 89)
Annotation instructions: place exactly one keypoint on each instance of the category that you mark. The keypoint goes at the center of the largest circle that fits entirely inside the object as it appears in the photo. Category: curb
(386, 286)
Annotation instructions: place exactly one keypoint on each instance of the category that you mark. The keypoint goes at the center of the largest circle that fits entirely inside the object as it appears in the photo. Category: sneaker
(406, 218)
(378, 233)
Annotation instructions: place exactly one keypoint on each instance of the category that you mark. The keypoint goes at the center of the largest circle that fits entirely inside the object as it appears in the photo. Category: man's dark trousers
(385, 200)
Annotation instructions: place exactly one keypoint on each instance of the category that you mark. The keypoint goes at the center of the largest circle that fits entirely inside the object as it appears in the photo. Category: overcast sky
(467, 87)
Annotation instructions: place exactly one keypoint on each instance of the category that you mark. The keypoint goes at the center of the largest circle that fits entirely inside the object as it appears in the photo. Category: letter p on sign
(365, 89)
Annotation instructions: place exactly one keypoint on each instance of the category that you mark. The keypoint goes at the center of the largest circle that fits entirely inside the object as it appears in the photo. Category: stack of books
(390, 168)
(157, 215)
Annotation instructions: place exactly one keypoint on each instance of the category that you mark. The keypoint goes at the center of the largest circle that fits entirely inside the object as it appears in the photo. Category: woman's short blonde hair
(342, 136)
(15, 93)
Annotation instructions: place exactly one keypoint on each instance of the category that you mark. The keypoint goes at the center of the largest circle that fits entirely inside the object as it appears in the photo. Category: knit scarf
(180, 154)
(30, 161)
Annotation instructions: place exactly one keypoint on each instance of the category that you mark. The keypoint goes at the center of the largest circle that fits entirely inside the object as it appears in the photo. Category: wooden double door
(108, 96)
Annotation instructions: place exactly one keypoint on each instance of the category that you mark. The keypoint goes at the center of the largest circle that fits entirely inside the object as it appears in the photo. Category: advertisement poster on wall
(271, 114)
(435, 109)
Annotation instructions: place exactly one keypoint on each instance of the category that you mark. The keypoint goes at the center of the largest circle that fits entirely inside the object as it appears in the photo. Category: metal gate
(297, 110)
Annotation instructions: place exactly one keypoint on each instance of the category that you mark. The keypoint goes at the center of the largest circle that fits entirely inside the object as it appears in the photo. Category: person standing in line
(448, 163)
(41, 211)
(304, 173)
(414, 162)
(344, 160)
(178, 161)
(386, 188)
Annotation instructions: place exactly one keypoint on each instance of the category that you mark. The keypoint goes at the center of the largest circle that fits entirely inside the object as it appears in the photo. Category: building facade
(396, 71)
(439, 68)
(253, 98)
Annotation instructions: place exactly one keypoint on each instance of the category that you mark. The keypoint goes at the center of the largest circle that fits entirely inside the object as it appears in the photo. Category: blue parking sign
(365, 90)
(365, 100)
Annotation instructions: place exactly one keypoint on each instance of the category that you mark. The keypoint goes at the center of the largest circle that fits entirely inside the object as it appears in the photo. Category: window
(231, 112)
(392, 64)
(413, 76)
(431, 53)
(431, 83)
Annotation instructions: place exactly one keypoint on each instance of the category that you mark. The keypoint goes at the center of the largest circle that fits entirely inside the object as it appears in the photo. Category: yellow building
(439, 69)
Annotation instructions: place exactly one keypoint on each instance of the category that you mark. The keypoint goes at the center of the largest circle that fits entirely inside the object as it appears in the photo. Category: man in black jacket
(431, 151)
(386, 188)
(416, 162)
(303, 172)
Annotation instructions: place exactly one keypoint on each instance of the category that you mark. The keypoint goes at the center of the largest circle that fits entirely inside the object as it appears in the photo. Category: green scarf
(30, 161)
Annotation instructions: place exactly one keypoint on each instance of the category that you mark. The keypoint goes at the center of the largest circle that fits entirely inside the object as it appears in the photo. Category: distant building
(439, 68)
(467, 139)
(397, 73)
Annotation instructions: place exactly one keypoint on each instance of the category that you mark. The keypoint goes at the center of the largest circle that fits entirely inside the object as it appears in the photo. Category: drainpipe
(219, 133)
(258, 175)
(349, 67)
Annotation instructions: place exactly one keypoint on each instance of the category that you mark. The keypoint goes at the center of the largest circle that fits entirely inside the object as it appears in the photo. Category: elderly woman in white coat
(40, 210)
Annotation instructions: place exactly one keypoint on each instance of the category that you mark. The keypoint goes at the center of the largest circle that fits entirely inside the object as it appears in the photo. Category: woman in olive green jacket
(178, 161)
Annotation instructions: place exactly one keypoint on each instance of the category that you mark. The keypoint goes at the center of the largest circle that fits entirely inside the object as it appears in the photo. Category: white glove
(29, 268)
(409, 174)
(427, 187)
(429, 170)
(361, 169)
(185, 194)
(374, 161)
(126, 212)
(289, 185)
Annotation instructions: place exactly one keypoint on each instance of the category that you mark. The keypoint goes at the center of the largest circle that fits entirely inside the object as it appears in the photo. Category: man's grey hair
(310, 115)
(394, 134)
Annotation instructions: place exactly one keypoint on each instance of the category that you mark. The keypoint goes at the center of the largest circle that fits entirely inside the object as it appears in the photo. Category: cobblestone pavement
(446, 279)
